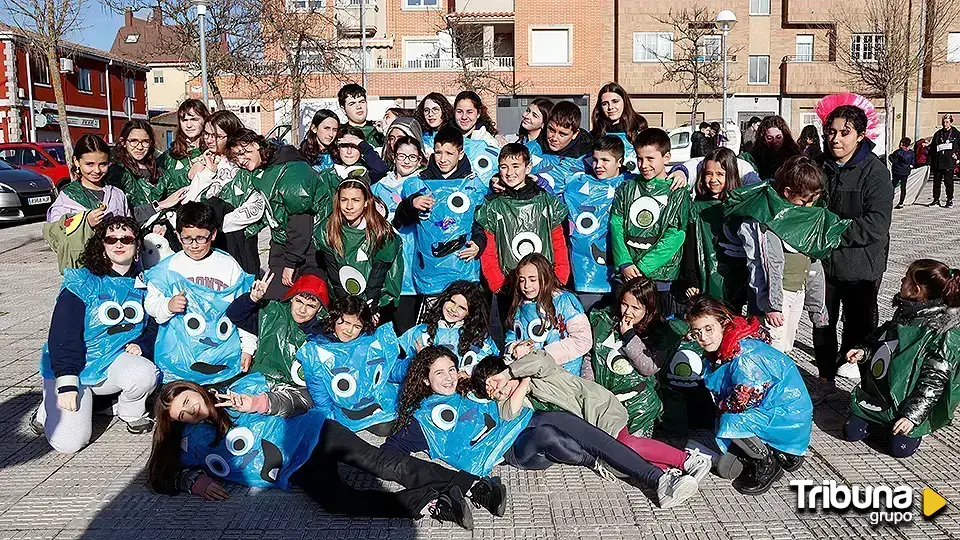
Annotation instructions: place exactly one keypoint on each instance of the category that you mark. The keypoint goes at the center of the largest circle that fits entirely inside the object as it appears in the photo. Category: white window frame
(405, 5)
(418, 61)
(858, 44)
(130, 88)
(550, 27)
(642, 53)
(953, 47)
(157, 76)
(804, 57)
(84, 74)
(707, 42)
(759, 7)
(750, 73)
(305, 6)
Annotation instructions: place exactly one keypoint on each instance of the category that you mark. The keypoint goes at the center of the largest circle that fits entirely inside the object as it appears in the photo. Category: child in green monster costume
(353, 101)
(910, 381)
(648, 221)
(183, 158)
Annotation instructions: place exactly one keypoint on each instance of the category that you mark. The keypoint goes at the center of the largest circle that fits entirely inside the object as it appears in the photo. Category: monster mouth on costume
(442, 249)
(272, 461)
(631, 393)
(641, 242)
(119, 329)
(208, 342)
(206, 369)
(869, 406)
(362, 413)
(488, 424)
(599, 255)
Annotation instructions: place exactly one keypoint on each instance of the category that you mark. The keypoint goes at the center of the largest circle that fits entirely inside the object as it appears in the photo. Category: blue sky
(100, 27)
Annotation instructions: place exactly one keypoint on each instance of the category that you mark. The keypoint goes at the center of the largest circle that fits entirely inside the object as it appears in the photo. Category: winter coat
(901, 163)
(945, 159)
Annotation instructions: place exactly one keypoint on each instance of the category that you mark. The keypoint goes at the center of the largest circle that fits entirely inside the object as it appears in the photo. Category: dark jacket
(244, 313)
(861, 191)
(901, 163)
(944, 160)
(580, 146)
(299, 231)
(699, 144)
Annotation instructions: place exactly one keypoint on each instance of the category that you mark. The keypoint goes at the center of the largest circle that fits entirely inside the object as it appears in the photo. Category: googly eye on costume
(468, 362)
(352, 280)
(296, 373)
(110, 313)
(473, 397)
(538, 330)
(195, 324)
(458, 202)
(344, 385)
(644, 212)
(133, 311)
(217, 465)
(618, 363)
(444, 417)
(548, 178)
(482, 164)
(526, 243)
(880, 363)
(378, 375)
(587, 222)
(686, 368)
(239, 441)
(224, 328)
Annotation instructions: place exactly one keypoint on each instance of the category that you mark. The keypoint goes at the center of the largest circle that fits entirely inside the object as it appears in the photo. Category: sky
(99, 27)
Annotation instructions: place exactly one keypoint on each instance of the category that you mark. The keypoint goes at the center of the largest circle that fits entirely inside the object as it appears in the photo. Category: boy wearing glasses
(208, 350)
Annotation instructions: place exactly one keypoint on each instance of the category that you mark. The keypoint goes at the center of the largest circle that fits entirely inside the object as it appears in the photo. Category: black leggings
(424, 481)
(560, 437)
(860, 318)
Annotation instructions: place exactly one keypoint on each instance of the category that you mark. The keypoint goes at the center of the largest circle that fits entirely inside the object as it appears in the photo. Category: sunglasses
(125, 240)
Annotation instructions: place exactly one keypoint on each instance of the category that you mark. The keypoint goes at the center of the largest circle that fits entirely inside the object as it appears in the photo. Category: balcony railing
(496, 63)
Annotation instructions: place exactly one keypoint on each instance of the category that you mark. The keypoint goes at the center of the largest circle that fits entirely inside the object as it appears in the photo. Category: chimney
(128, 17)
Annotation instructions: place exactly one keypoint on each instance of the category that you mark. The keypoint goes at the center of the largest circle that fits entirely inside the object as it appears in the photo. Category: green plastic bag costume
(138, 189)
(279, 339)
(648, 223)
(521, 227)
(236, 192)
(349, 273)
(613, 371)
(174, 171)
(906, 353)
(811, 230)
(290, 188)
(721, 260)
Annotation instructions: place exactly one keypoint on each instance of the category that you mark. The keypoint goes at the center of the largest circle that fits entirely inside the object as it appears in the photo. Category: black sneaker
(141, 426)
(935, 203)
(35, 424)
(759, 476)
(490, 493)
(451, 506)
(788, 462)
(950, 203)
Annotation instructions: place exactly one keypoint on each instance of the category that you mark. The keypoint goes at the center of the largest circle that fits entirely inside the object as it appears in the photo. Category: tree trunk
(53, 64)
(295, 98)
(217, 96)
(888, 126)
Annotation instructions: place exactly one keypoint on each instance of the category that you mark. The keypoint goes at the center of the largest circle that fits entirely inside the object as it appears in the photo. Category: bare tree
(469, 48)
(44, 23)
(883, 57)
(694, 63)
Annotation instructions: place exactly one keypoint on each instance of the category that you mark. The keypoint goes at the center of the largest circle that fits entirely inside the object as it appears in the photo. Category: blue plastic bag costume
(629, 152)
(450, 338)
(588, 200)
(445, 231)
(114, 317)
(529, 323)
(484, 158)
(467, 432)
(391, 193)
(427, 140)
(201, 344)
(783, 418)
(361, 377)
(259, 450)
(554, 169)
(324, 161)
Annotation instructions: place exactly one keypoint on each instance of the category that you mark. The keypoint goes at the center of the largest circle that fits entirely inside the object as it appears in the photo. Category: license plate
(39, 200)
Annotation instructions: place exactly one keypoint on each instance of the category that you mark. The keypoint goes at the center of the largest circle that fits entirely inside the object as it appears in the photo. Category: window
(132, 38)
(103, 83)
(812, 119)
(866, 47)
(421, 53)
(128, 86)
(549, 46)
(39, 69)
(953, 47)
(169, 137)
(421, 4)
(652, 46)
(709, 48)
(83, 80)
(157, 77)
(759, 70)
(804, 48)
(759, 7)
(680, 139)
(304, 5)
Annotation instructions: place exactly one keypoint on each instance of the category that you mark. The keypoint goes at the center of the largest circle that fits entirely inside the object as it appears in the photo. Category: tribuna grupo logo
(885, 504)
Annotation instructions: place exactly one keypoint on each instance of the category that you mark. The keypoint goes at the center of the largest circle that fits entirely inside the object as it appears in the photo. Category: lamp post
(725, 22)
(201, 6)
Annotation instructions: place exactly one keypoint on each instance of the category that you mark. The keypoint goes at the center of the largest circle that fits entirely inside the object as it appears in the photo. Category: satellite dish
(40, 120)
(444, 40)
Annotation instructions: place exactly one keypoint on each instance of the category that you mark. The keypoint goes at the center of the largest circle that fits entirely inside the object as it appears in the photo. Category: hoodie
(410, 126)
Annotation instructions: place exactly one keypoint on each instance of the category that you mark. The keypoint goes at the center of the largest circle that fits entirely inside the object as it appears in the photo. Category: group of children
(547, 301)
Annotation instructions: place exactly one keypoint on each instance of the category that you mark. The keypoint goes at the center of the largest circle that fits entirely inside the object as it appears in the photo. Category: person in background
(719, 137)
(534, 119)
(317, 146)
(433, 113)
(183, 159)
(613, 114)
(700, 140)
(920, 150)
(402, 126)
(810, 143)
(749, 134)
(901, 164)
(392, 114)
(773, 145)
(945, 147)
(353, 101)
(352, 152)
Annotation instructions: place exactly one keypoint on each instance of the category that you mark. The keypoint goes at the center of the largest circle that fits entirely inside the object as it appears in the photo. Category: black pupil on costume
(539, 329)
(193, 324)
(343, 385)
(224, 327)
(446, 415)
(113, 313)
(483, 162)
(376, 378)
(586, 222)
(129, 312)
(458, 202)
(239, 445)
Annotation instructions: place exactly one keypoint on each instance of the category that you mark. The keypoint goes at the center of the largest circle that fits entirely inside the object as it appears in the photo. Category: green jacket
(522, 226)
(279, 339)
(647, 227)
(714, 260)
(67, 237)
(174, 172)
(236, 192)
(138, 189)
(371, 134)
(290, 188)
(372, 275)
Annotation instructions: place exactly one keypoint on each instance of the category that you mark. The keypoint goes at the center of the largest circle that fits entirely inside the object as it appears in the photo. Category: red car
(46, 158)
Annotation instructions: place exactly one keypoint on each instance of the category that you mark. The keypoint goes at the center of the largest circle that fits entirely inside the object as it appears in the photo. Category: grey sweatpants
(133, 377)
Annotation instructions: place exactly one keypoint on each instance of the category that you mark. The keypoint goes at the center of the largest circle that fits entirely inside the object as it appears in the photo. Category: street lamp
(725, 22)
(201, 13)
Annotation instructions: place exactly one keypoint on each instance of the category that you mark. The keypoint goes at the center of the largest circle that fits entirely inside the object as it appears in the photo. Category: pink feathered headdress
(827, 105)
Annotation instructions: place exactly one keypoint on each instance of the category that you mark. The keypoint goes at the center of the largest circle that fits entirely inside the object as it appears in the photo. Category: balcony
(348, 18)
(810, 76)
(497, 63)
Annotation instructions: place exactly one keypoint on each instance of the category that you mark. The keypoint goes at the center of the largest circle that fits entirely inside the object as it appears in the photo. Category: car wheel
(62, 183)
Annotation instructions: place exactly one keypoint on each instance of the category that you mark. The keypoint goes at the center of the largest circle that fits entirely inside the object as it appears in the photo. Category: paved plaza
(100, 491)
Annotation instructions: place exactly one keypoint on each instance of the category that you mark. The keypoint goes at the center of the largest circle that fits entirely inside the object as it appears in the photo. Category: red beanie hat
(309, 284)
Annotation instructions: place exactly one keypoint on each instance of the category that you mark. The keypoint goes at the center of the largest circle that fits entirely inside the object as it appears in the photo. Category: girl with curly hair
(100, 341)
(773, 145)
(433, 113)
(472, 118)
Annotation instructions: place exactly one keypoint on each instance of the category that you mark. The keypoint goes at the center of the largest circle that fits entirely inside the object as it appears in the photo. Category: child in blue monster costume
(766, 415)
(99, 342)
(560, 151)
(589, 198)
(482, 157)
(355, 367)
(263, 438)
(441, 203)
(459, 320)
(544, 316)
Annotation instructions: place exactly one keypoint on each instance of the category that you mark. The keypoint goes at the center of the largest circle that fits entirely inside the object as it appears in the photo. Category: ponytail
(939, 280)
(951, 292)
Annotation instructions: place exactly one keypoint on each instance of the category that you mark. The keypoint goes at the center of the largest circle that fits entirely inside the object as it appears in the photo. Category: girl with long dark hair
(134, 170)
(433, 112)
(534, 120)
(774, 144)
(317, 145)
(183, 159)
(472, 118)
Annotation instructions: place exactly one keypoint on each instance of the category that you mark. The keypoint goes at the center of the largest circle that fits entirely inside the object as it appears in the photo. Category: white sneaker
(697, 464)
(675, 487)
(602, 472)
(849, 371)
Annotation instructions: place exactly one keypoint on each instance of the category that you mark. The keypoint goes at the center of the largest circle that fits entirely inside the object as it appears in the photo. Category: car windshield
(4, 166)
(57, 152)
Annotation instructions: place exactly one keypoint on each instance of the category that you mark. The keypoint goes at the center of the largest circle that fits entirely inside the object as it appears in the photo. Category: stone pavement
(100, 491)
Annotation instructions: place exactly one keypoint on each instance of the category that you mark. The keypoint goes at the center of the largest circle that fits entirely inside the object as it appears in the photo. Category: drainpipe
(33, 121)
(109, 108)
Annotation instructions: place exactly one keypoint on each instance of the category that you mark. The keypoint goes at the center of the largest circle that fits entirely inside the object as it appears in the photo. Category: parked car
(680, 141)
(24, 194)
(46, 158)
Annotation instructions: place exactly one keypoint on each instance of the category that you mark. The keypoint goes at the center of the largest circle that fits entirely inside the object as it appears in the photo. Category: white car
(680, 141)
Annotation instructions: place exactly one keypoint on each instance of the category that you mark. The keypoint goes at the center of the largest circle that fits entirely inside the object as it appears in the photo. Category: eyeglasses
(408, 158)
(141, 144)
(125, 240)
(697, 334)
(432, 110)
(195, 239)
(214, 136)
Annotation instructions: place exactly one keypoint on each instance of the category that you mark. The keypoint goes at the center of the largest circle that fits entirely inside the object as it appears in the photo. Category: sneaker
(674, 488)
(824, 392)
(788, 462)
(35, 424)
(899, 207)
(141, 426)
(849, 371)
(935, 203)
(697, 464)
(489, 493)
(950, 203)
(602, 471)
(763, 474)
(451, 506)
